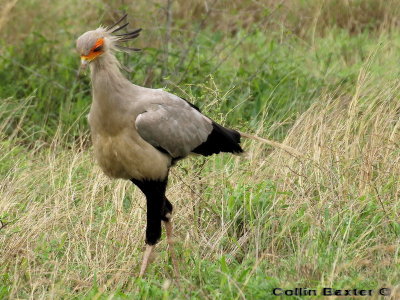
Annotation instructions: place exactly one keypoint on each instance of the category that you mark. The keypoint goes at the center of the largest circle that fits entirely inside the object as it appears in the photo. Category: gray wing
(176, 129)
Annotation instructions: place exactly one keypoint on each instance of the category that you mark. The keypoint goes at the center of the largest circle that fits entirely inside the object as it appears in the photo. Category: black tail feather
(221, 139)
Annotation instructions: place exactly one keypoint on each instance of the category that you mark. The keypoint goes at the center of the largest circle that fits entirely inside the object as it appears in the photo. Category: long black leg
(158, 208)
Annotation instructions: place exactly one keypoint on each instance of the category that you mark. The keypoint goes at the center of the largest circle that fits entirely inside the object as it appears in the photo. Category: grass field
(320, 76)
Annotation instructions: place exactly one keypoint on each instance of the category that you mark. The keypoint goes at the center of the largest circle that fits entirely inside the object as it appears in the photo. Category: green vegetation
(320, 76)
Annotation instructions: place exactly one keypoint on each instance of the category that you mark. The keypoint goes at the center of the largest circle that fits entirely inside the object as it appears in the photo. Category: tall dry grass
(351, 176)
(329, 214)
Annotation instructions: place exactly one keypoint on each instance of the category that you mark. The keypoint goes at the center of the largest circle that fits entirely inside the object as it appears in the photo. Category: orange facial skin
(95, 51)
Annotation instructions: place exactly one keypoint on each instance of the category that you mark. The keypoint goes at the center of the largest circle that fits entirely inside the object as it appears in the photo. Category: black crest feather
(118, 22)
(124, 37)
(120, 28)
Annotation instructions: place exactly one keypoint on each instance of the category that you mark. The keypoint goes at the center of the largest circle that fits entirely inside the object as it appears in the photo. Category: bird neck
(109, 90)
(106, 67)
(108, 83)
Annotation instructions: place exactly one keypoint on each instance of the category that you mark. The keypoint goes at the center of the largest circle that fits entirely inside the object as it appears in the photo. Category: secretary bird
(139, 133)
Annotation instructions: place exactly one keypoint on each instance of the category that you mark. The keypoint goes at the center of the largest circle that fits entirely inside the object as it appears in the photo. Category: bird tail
(274, 144)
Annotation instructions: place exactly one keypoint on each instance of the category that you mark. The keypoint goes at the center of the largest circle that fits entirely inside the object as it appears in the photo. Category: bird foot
(146, 258)
(150, 248)
(170, 241)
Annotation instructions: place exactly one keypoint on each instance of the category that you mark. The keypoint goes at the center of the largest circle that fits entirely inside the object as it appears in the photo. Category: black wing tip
(221, 139)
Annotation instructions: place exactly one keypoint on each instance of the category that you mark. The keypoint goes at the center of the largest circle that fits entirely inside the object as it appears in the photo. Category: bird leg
(158, 209)
(155, 201)
(170, 241)
(145, 261)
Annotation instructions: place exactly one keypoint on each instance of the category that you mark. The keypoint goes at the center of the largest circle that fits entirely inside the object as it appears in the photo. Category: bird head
(93, 44)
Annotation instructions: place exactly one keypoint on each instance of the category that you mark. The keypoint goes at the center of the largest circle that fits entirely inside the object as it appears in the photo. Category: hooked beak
(86, 59)
(84, 62)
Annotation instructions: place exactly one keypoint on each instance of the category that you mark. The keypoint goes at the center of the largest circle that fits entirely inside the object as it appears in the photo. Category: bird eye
(97, 49)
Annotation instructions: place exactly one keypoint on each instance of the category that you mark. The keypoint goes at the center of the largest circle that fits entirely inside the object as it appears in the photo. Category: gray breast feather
(177, 130)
